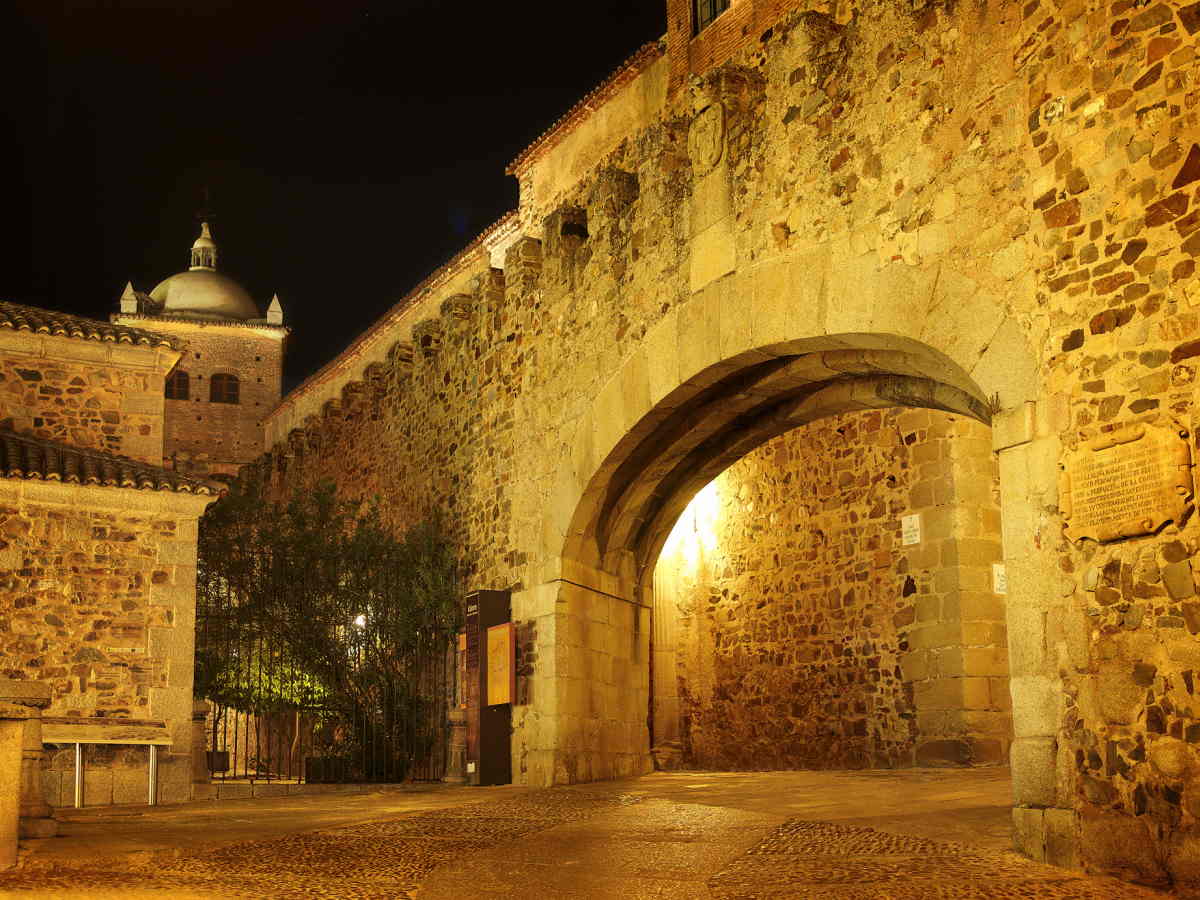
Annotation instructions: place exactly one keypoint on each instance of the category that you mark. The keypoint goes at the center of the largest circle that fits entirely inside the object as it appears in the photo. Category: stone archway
(711, 381)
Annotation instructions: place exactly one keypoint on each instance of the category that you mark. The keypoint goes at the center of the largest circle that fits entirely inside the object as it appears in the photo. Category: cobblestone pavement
(803, 860)
(379, 860)
(663, 836)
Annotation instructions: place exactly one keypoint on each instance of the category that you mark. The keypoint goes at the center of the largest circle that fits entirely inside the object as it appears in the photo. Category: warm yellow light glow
(695, 532)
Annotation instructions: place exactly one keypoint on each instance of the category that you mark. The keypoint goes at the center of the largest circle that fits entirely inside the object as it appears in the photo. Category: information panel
(1126, 483)
(500, 664)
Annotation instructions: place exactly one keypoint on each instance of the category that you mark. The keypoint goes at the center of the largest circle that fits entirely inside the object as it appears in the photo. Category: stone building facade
(97, 542)
(67, 379)
(979, 208)
(232, 372)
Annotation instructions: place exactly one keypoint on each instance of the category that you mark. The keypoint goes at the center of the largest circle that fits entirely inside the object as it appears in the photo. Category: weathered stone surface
(1177, 577)
(1190, 170)
(1119, 845)
(957, 232)
(1033, 771)
(765, 627)
(1173, 758)
(97, 406)
(1119, 697)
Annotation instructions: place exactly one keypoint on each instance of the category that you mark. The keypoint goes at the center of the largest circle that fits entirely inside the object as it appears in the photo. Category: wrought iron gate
(270, 720)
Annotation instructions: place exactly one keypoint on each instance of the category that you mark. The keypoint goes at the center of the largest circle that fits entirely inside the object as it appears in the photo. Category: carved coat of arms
(706, 139)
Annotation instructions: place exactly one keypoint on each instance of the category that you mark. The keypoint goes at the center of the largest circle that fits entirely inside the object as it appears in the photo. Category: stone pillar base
(668, 756)
(36, 817)
(200, 774)
(1049, 835)
(12, 737)
(41, 827)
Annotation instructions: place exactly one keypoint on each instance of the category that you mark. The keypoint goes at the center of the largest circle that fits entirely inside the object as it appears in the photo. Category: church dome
(202, 291)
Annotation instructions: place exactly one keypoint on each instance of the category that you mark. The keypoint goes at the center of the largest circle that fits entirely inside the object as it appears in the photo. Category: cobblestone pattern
(386, 860)
(798, 859)
(802, 859)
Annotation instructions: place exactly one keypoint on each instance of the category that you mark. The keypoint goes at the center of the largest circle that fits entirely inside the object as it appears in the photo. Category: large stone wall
(83, 393)
(97, 600)
(999, 193)
(793, 626)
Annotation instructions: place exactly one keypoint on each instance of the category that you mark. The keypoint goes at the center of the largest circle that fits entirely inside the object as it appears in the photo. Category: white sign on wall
(999, 579)
(910, 529)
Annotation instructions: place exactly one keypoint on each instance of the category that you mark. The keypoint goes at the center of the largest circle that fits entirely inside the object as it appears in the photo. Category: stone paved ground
(724, 837)
(818, 860)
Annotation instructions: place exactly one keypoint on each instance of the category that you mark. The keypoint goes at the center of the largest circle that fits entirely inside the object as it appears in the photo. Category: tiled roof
(46, 321)
(23, 456)
(595, 98)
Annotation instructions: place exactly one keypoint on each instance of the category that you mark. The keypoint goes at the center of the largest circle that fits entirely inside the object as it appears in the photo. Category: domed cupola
(202, 292)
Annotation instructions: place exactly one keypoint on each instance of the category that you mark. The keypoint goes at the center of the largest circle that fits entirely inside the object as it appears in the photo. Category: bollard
(456, 764)
(200, 774)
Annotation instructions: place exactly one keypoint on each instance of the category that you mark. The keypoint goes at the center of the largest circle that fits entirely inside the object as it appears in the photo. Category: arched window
(223, 389)
(177, 385)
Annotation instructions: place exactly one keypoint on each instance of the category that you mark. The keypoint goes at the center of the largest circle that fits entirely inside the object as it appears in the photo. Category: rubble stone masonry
(795, 629)
(985, 208)
(97, 600)
(93, 395)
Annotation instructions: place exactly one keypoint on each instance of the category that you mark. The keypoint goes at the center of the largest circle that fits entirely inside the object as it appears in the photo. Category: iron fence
(272, 719)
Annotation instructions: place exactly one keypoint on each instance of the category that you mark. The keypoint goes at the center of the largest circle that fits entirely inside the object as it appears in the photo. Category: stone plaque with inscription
(1129, 482)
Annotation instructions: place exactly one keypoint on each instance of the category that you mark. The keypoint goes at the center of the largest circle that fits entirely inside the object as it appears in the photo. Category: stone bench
(78, 731)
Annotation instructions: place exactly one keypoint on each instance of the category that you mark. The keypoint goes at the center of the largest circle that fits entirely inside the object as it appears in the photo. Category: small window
(177, 385)
(223, 389)
(704, 11)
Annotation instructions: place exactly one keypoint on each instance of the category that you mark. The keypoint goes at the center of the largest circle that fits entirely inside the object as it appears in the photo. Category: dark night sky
(351, 147)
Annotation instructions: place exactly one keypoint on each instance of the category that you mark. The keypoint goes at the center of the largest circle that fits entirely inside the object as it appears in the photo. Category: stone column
(1045, 825)
(456, 765)
(37, 819)
(200, 774)
(12, 741)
